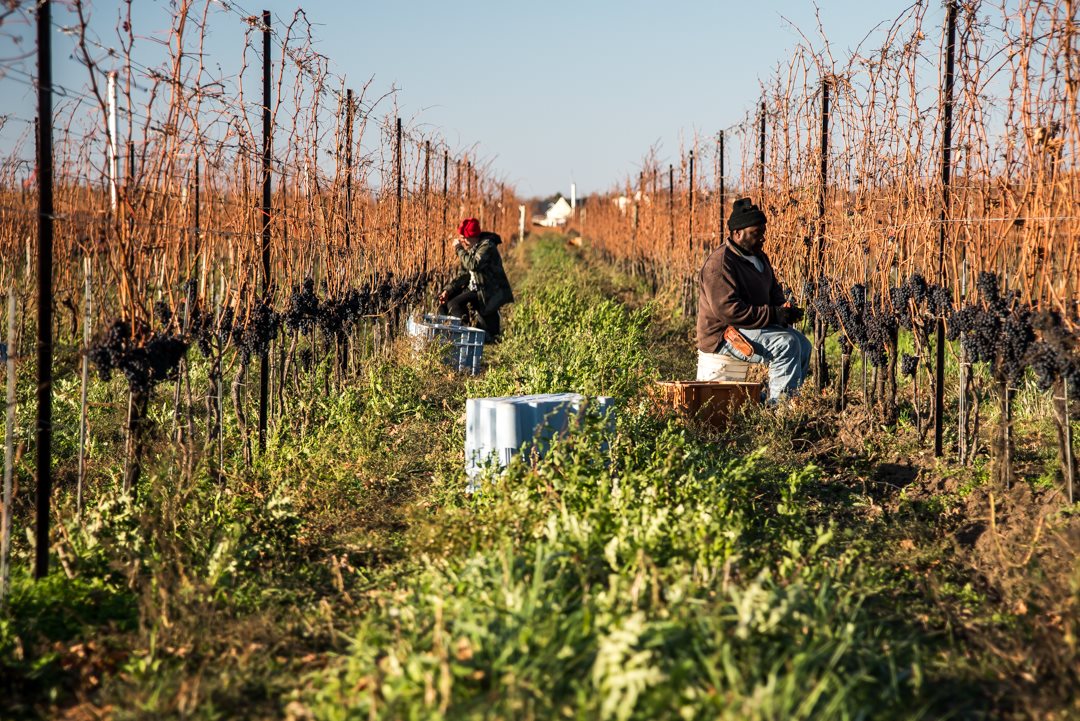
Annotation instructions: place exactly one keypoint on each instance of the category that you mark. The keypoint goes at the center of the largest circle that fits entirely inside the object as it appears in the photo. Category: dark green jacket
(483, 269)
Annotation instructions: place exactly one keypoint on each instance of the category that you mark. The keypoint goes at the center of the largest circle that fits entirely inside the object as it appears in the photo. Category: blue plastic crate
(464, 346)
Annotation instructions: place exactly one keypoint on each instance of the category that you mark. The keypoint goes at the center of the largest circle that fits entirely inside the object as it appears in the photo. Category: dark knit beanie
(744, 214)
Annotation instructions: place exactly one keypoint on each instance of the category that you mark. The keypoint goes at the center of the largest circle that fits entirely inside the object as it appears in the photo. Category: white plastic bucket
(721, 367)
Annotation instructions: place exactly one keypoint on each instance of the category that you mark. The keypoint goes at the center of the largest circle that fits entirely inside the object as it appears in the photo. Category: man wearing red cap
(482, 288)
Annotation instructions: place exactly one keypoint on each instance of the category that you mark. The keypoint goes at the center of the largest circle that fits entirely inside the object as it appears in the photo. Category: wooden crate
(711, 402)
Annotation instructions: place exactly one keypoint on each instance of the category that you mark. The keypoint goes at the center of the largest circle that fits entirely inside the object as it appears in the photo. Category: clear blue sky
(552, 91)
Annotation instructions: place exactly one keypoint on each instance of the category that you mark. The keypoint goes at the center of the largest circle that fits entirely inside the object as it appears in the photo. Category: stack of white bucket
(498, 428)
(721, 367)
(464, 345)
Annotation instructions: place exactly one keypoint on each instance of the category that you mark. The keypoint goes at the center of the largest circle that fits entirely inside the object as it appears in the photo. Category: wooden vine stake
(85, 380)
(946, 169)
(9, 451)
(820, 361)
(1070, 464)
(45, 291)
(267, 285)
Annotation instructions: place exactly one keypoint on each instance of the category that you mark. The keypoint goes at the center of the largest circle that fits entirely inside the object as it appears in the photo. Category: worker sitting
(742, 313)
(482, 288)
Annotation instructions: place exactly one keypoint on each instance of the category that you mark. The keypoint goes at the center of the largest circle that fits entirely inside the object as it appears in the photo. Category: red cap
(469, 228)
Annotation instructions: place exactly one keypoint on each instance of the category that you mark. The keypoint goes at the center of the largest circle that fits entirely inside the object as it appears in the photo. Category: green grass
(651, 570)
(666, 577)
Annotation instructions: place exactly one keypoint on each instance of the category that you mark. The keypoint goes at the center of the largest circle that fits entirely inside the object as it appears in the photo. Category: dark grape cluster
(900, 298)
(880, 334)
(337, 314)
(145, 358)
(108, 353)
(201, 330)
(254, 336)
(914, 305)
(939, 302)
(995, 329)
(861, 326)
(918, 304)
(851, 314)
(825, 305)
(394, 291)
(1015, 340)
(822, 305)
(225, 327)
(1056, 355)
(918, 288)
(303, 308)
(987, 285)
(908, 365)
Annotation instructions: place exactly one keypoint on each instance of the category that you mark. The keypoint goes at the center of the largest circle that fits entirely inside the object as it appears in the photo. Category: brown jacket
(732, 292)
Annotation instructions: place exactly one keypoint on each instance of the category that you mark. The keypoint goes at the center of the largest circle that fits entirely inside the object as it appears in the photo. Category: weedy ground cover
(803, 564)
(675, 575)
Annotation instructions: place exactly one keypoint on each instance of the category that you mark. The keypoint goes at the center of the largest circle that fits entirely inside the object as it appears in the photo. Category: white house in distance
(623, 201)
(553, 214)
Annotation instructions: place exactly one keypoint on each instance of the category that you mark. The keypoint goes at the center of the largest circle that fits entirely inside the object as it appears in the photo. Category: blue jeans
(785, 350)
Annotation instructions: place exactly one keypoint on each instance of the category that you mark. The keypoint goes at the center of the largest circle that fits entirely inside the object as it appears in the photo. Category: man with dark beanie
(482, 288)
(738, 290)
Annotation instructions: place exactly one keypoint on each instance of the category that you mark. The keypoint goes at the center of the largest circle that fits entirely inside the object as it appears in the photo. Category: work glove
(788, 314)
